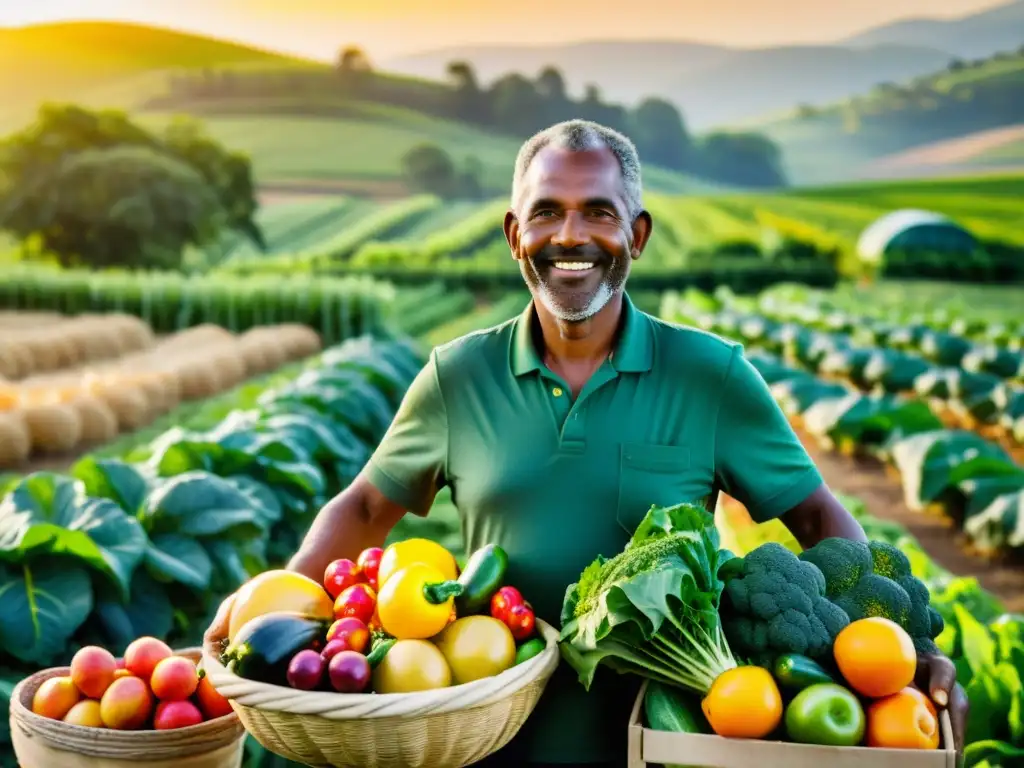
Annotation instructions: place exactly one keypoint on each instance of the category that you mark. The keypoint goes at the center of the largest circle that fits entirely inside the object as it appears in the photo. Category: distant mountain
(973, 36)
(711, 84)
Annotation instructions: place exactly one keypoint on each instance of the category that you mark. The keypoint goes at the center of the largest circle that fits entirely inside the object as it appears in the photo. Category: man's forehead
(556, 167)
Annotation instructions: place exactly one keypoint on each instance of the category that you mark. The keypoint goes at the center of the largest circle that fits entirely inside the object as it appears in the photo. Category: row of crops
(885, 391)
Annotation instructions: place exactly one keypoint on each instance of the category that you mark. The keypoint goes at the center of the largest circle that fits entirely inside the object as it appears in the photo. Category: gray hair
(577, 136)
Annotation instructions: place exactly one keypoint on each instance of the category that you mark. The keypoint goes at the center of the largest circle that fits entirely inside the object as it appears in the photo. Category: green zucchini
(264, 646)
(796, 672)
(667, 708)
(480, 579)
(379, 650)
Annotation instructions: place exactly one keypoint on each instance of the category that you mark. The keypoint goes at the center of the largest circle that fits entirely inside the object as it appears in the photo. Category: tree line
(513, 104)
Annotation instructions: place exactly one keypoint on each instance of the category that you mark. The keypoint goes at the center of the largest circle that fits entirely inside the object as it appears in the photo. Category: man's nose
(573, 232)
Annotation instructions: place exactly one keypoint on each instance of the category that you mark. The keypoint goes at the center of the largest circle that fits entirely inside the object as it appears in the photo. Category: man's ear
(511, 229)
(643, 226)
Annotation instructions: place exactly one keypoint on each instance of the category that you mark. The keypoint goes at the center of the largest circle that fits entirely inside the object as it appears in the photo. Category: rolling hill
(106, 63)
(862, 136)
(975, 36)
(355, 151)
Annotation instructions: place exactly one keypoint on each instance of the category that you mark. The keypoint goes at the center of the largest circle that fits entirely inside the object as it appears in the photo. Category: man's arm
(358, 518)
(404, 475)
(821, 516)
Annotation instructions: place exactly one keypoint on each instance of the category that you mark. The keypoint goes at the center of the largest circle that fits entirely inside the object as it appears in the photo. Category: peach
(176, 714)
(210, 702)
(92, 670)
(127, 704)
(174, 679)
(119, 673)
(143, 654)
(55, 697)
(85, 713)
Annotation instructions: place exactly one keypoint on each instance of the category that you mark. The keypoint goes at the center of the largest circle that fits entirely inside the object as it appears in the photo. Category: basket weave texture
(41, 742)
(444, 728)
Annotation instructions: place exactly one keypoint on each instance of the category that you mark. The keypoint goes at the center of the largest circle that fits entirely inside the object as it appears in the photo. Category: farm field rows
(891, 404)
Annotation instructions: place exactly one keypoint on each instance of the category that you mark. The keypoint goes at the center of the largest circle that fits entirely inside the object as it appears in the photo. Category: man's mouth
(573, 266)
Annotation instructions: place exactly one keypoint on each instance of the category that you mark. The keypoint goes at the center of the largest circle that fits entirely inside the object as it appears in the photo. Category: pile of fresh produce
(150, 688)
(395, 620)
(819, 648)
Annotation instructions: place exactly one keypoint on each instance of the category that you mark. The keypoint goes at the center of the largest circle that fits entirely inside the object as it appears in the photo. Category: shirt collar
(633, 353)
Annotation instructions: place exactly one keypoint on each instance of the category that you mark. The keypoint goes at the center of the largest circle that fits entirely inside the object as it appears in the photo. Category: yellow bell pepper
(403, 553)
(416, 602)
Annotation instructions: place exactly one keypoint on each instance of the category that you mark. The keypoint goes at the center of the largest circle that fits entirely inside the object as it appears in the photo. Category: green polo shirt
(555, 482)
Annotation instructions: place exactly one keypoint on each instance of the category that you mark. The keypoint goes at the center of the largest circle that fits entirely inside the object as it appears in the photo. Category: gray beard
(613, 281)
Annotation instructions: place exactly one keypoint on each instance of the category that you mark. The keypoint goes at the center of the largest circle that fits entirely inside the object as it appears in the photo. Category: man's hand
(936, 676)
(218, 629)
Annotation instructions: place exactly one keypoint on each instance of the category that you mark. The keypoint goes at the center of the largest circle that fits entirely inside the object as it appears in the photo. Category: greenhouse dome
(908, 231)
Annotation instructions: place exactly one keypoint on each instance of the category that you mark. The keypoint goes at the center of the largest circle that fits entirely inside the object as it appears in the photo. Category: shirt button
(557, 391)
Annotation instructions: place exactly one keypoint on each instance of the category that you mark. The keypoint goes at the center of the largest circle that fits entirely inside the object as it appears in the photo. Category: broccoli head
(773, 603)
(875, 579)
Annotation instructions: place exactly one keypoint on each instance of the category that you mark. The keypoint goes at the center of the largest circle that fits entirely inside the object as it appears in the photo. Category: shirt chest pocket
(652, 474)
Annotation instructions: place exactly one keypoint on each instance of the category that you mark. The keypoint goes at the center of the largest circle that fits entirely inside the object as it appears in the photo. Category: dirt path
(883, 498)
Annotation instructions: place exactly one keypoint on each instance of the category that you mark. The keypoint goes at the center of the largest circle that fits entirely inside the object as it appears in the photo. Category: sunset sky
(317, 28)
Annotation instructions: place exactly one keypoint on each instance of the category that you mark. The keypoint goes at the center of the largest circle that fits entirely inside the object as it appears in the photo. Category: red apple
(368, 562)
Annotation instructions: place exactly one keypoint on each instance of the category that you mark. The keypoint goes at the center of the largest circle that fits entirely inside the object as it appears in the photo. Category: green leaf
(123, 483)
(50, 514)
(172, 557)
(147, 612)
(42, 604)
(199, 504)
(1000, 524)
(977, 644)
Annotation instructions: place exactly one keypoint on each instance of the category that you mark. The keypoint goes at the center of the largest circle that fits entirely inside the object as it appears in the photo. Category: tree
(470, 100)
(747, 159)
(657, 129)
(516, 106)
(353, 59)
(122, 206)
(428, 168)
(39, 157)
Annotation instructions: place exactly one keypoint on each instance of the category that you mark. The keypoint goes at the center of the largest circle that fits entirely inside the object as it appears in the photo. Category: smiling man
(557, 430)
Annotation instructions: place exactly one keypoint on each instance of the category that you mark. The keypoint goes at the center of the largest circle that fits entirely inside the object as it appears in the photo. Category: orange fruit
(903, 720)
(876, 656)
(743, 703)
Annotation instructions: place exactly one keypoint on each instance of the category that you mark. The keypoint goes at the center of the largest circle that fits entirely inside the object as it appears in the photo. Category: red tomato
(521, 621)
(340, 575)
(368, 562)
(503, 600)
(359, 601)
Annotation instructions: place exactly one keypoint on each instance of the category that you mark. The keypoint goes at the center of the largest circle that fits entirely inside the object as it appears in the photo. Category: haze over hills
(974, 36)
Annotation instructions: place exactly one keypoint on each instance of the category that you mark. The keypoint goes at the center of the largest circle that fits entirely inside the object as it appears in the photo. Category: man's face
(572, 236)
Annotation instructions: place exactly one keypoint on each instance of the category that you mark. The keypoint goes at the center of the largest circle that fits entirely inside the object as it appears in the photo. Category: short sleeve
(408, 465)
(759, 459)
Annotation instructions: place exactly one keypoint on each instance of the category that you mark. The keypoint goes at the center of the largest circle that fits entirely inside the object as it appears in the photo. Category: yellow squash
(279, 590)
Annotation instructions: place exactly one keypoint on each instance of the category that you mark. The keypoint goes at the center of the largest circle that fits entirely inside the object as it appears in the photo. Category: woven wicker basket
(40, 742)
(444, 728)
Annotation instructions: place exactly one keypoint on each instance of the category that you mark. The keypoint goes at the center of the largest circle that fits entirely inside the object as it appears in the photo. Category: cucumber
(480, 579)
(529, 649)
(671, 709)
(797, 672)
